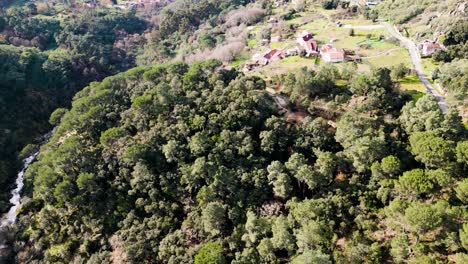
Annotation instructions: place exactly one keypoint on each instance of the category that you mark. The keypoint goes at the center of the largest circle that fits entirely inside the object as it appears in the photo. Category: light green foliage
(390, 165)
(110, 136)
(325, 165)
(377, 82)
(461, 258)
(462, 191)
(422, 218)
(428, 259)
(312, 257)
(57, 115)
(297, 165)
(400, 248)
(279, 179)
(424, 115)
(399, 71)
(306, 83)
(85, 181)
(452, 126)
(213, 218)
(313, 235)
(266, 250)
(172, 249)
(255, 228)
(282, 237)
(401, 11)
(462, 152)
(453, 75)
(464, 235)
(210, 253)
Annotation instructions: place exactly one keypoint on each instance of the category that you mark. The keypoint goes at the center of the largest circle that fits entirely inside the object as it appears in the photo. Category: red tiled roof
(326, 48)
(433, 45)
(270, 54)
(336, 55)
(332, 52)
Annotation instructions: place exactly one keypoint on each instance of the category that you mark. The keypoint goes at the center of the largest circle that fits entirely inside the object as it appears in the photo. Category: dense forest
(48, 57)
(162, 153)
(177, 163)
(52, 62)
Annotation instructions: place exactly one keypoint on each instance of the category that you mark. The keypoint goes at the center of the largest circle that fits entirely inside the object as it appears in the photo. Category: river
(15, 200)
(10, 217)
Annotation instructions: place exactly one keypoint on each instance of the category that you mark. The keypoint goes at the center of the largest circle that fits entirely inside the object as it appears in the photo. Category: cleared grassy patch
(315, 26)
(279, 45)
(428, 65)
(295, 21)
(383, 45)
(392, 59)
(292, 60)
(238, 62)
(411, 83)
(292, 63)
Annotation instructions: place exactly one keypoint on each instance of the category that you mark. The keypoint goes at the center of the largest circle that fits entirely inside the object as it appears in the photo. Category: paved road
(416, 59)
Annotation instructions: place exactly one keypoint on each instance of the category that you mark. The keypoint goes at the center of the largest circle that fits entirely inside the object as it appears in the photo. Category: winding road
(416, 59)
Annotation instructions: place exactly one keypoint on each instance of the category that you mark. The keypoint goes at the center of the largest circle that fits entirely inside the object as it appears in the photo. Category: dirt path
(416, 59)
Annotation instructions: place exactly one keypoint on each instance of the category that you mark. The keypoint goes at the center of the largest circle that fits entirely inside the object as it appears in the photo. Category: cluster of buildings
(307, 44)
(127, 5)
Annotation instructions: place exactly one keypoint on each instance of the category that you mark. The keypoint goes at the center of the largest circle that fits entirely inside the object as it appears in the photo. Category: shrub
(210, 253)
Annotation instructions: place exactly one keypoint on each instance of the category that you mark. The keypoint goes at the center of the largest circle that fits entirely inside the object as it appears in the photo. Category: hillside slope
(182, 164)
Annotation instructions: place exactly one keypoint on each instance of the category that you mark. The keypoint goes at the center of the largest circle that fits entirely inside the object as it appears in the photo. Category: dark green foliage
(414, 183)
(431, 150)
(377, 83)
(28, 94)
(457, 34)
(34, 83)
(23, 25)
(236, 115)
(176, 163)
(330, 4)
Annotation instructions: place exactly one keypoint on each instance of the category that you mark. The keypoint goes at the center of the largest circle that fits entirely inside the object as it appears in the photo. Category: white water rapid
(10, 217)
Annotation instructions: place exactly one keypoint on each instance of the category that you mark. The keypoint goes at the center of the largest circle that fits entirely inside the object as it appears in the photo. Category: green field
(428, 66)
(411, 83)
(392, 59)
